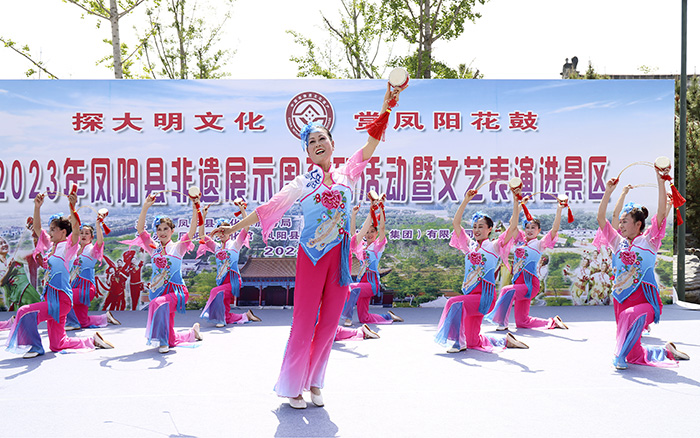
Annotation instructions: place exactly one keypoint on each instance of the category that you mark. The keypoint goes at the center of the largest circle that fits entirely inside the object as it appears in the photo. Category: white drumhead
(194, 192)
(663, 163)
(398, 77)
(103, 212)
(515, 182)
(562, 198)
(373, 195)
(237, 201)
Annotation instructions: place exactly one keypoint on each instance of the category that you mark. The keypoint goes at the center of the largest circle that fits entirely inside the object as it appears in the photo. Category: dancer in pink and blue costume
(57, 294)
(460, 323)
(368, 251)
(168, 292)
(323, 259)
(83, 281)
(528, 251)
(635, 293)
(228, 278)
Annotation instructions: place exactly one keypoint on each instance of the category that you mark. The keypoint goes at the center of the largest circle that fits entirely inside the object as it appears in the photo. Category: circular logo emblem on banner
(308, 107)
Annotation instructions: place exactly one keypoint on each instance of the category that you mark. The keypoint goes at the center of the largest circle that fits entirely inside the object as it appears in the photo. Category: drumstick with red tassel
(74, 191)
(101, 214)
(516, 186)
(663, 167)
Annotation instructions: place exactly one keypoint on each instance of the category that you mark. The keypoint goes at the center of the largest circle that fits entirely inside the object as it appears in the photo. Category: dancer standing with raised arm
(228, 278)
(368, 246)
(57, 294)
(528, 251)
(83, 280)
(460, 323)
(168, 292)
(323, 259)
(635, 292)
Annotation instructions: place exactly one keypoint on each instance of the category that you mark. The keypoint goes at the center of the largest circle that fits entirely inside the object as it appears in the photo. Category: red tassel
(105, 228)
(570, 217)
(678, 199)
(373, 213)
(377, 128)
(679, 219)
(200, 218)
(238, 213)
(528, 216)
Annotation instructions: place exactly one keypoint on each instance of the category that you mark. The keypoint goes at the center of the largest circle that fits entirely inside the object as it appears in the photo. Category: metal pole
(682, 151)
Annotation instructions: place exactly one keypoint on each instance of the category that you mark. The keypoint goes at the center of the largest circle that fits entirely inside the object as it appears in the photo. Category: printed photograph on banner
(119, 141)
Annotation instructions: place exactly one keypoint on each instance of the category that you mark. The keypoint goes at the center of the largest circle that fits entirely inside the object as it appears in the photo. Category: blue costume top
(527, 256)
(83, 271)
(326, 210)
(56, 275)
(167, 266)
(480, 263)
(633, 263)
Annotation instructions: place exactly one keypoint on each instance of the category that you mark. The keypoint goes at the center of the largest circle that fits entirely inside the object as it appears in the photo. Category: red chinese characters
(92, 122)
(522, 121)
(487, 120)
(450, 121)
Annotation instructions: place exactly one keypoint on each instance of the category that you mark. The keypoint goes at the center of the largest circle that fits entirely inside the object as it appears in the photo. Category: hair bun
(646, 212)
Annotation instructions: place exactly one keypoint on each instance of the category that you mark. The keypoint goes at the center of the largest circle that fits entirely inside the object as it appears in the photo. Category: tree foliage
(692, 192)
(368, 29)
(359, 36)
(424, 22)
(113, 12)
(180, 44)
(25, 51)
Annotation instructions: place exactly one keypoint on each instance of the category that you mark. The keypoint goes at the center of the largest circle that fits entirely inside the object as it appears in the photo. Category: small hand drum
(238, 201)
(194, 192)
(516, 185)
(398, 77)
(563, 200)
(373, 196)
(103, 212)
(663, 165)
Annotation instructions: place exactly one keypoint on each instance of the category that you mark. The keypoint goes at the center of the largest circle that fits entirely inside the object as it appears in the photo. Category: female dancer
(167, 289)
(323, 260)
(528, 252)
(460, 323)
(368, 252)
(58, 295)
(228, 279)
(635, 293)
(83, 281)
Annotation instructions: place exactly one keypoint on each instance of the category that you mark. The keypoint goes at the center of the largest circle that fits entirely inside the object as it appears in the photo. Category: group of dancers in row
(324, 288)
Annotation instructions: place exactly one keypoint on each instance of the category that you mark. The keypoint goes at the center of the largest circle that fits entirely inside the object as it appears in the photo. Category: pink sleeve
(379, 246)
(143, 241)
(43, 243)
(242, 240)
(606, 237)
(356, 248)
(460, 241)
(71, 252)
(97, 251)
(548, 241)
(354, 167)
(505, 247)
(184, 245)
(656, 232)
(208, 246)
(271, 212)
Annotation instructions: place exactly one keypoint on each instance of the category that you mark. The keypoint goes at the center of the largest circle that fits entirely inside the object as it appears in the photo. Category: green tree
(113, 12)
(360, 35)
(180, 44)
(692, 192)
(424, 22)
(25, 52)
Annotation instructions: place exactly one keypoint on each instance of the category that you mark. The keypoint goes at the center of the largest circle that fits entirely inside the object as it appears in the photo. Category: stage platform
(400, 385)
